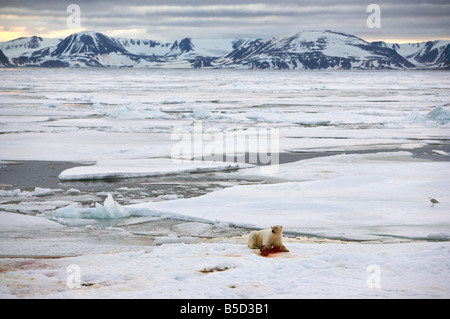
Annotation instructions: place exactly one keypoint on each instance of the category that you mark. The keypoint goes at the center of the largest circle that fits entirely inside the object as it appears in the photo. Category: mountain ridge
(306, 50)
(315, 50)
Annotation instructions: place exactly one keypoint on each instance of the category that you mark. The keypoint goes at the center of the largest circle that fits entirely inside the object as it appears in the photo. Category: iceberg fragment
(439, 114)
(200, 113)
(109, 210)
(415, 117)
(10, 193)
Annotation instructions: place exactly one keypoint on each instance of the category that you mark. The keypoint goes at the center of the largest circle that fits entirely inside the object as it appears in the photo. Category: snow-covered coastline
(357, 224)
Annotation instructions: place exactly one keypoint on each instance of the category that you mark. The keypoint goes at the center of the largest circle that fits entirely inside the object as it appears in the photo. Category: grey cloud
(257, 18)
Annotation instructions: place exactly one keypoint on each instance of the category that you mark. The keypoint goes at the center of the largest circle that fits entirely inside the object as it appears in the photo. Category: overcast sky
(166, 20)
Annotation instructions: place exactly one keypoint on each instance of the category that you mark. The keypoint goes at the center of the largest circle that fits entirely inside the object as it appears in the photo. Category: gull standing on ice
(433, 201)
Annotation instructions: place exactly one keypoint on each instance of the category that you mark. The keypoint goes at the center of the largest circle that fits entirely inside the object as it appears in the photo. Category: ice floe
(128, 168)
(347, 196)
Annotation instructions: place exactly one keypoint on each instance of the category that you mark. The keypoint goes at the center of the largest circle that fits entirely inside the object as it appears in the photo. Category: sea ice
(98, 119)
(360, 196)
(101, 119)
(437, 115)
(38, 192)
(107, 169)
(17, 222)
(230, 269)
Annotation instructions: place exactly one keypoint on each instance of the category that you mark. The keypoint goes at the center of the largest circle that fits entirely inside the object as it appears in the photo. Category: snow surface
(229, 269)
(124, 120)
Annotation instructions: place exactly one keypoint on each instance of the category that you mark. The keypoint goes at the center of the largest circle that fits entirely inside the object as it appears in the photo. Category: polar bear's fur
(267, 238)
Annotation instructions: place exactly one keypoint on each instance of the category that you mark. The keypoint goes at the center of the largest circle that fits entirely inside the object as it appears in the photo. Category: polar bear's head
(277, 229)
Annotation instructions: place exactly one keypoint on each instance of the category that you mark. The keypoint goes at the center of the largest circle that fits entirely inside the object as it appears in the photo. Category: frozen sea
(144, 183)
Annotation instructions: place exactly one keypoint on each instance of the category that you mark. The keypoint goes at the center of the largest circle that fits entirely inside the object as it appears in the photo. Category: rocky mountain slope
(309, 50)
(314, 50)
(431, 54)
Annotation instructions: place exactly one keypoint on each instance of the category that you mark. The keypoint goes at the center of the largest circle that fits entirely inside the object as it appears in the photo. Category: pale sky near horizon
(166, 20)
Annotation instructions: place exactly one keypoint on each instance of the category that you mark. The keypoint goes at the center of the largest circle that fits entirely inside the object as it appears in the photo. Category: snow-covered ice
(358, 208)
(110, 169)
(229, 269)
(101, 118)
(363, 196)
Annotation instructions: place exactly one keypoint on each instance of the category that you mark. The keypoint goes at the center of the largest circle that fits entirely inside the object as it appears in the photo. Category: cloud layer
(403, 20)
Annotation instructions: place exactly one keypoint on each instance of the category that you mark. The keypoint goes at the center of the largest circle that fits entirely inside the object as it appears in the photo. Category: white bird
(433, 201)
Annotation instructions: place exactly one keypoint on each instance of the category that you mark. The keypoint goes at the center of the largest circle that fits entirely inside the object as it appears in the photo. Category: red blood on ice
(266, 251)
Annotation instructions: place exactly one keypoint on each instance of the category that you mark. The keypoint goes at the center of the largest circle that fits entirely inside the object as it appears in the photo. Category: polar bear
(267, 238)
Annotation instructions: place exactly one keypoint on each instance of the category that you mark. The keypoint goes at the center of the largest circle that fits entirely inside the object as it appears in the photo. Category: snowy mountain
(85, 49)
(424, 54)
(144, 47)
(314, 50)
(304, 50)
(93, 49)
(26, 45)
(4, 61)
